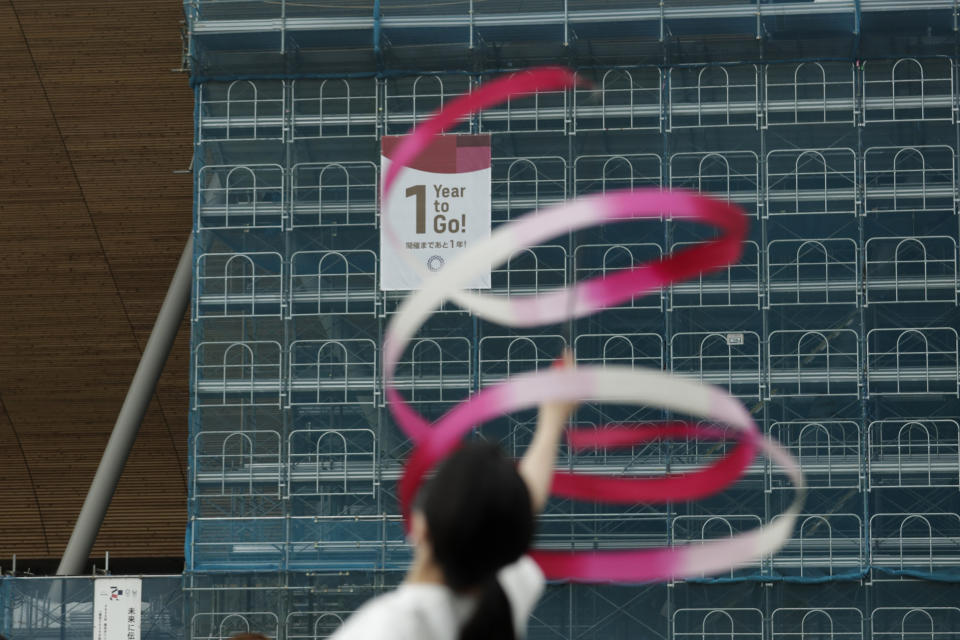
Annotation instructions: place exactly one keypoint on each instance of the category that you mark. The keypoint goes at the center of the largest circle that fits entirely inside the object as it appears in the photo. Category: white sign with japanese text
(439, 207)
(116, 608)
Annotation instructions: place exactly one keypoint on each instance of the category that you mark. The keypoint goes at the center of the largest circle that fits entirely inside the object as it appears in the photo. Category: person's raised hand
(558, 412)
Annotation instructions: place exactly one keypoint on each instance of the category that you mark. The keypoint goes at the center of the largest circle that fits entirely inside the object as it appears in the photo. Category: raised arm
(536, 466)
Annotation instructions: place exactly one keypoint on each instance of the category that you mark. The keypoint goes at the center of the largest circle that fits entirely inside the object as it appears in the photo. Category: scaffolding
(836, 328)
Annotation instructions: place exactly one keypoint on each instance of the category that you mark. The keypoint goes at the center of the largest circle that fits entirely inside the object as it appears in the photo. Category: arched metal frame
(910, 269)
(694, 529)
(241, 110)
(812, 271)
(334, 283)
(829, 453)
(240, 196)
(542, 112)
(716, 624)
(256, 470)
(842, 623)
(595, 260)
(503, 356)
(521, 186)
(809, 93)
(730, 360)
(628, 99)
(219, 626)
(334, 108)
(909, 179)
(736, 286)
(412, 99)
(254, 380)
(714, 96)
(921, 542)
(898, 459)
(912, 361)
(531, 271)
(823, 544)
(603, 173)
(733, 176)
(349, 470)
(334, 194)
(330, 372)
(436, 370)
(623, 349)
(221, 292)
(905, 623)
(811, 181)
(908, 90)
(810, 362)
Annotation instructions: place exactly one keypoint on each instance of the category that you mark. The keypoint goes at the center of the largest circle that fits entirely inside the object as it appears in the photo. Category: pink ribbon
(605, 384)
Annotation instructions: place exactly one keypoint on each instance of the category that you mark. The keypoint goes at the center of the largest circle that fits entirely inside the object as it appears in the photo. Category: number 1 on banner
(420, 191)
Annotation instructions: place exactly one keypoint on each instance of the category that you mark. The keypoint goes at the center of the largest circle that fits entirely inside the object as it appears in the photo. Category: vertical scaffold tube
(128, 421)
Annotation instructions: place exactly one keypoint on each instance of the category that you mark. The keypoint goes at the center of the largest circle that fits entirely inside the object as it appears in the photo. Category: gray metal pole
(128, 421)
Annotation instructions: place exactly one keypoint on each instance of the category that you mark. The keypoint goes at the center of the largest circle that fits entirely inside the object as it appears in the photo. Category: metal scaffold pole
(128, 420)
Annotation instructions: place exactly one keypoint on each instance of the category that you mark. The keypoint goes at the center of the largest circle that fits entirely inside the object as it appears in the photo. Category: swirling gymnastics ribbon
(612, 384)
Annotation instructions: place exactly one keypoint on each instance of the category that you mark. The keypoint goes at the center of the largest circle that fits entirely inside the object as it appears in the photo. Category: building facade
(832, 124)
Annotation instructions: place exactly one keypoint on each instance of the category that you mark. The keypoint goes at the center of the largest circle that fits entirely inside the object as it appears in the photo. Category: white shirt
(421, 611)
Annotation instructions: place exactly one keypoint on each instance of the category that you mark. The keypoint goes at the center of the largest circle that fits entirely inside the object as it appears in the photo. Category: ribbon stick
(608, 384)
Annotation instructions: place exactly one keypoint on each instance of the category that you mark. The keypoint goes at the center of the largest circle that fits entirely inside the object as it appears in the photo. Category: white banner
(116, 609)
(440, 206)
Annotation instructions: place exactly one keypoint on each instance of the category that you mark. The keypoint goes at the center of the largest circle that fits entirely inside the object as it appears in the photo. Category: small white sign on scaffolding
(116, 608)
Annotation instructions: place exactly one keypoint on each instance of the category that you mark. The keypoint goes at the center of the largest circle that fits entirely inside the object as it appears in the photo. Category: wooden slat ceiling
(93, 124)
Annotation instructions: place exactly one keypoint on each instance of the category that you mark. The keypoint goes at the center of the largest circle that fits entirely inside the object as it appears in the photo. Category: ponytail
(480, 519)
(493, 617)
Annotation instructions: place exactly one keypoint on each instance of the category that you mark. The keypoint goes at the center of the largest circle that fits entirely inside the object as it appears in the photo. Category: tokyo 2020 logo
(435, 263)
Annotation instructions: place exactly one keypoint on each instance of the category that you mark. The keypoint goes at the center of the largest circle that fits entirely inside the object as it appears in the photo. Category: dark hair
(480, 519)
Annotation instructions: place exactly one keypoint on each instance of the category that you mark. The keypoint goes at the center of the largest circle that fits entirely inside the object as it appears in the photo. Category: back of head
(478, 513)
